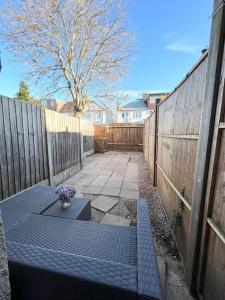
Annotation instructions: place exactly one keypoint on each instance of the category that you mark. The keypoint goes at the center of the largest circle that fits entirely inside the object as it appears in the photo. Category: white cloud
(129, 93)
(184, 44)
(185, 48)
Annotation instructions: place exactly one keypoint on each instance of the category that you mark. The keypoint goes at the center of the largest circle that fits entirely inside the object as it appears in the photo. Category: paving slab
(100, 181)
(104, 203)
(84, 180)
(120, 209)
(128, 185)
(115, 220)
(110, 191)
(96, 215)
(133, 178)
(114, 183)
(129, 194)
(95, 190)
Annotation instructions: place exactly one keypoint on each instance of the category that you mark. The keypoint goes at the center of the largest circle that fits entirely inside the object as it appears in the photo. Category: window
(137, 114)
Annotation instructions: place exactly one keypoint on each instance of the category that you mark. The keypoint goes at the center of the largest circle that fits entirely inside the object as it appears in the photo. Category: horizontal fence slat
(187, 204)
(180, 136)
(216, 229)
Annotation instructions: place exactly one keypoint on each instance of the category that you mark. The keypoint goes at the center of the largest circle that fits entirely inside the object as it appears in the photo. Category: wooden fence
(176, 140)
(63, 137)
(118, 137)
(23, 151)
(38, 146)
(184, 144)
(88, 138)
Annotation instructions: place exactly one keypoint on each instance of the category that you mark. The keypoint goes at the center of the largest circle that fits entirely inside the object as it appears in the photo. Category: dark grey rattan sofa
(58, 258)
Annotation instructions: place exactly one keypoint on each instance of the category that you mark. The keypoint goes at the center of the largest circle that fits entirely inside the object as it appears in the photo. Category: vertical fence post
(49, 150)
(205, 141)
(80, 143)
(156, 143)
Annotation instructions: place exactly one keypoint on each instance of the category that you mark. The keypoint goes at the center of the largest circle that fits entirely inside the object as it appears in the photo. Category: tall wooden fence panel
(149, 142)
(38, 146)
(178, 123)
(63, 145)
(88, 138)
(118, 137)
(212, 263)
(23, 150)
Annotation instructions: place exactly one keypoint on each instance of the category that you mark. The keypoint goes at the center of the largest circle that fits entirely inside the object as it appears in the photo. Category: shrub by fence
(38, 146)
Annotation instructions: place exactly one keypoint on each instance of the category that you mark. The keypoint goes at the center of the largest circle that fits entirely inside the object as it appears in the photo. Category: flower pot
(66, 203)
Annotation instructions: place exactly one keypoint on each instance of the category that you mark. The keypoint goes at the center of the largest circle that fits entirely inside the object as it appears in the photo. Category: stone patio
(108, 180)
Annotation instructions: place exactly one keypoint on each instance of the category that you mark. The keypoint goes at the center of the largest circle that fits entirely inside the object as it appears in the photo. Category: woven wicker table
(80, 210)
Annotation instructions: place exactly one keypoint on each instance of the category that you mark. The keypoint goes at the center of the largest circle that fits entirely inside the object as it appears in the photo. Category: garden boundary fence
(184, 145)
(39, 146)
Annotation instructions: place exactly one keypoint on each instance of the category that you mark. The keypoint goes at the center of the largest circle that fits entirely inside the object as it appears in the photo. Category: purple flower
(65, 192)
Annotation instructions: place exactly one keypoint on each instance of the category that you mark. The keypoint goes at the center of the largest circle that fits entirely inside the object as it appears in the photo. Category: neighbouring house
(151, 99)
(140, 109)
(53, 104)
(133, 112)
(94, 113)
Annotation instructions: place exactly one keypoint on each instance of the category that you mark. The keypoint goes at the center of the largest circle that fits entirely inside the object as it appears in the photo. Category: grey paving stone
(115, 220)
(114, 183)
(129, 194)
(128, 185)
(131, 178)
(110, 191)
(84, 180)
(95, 190)
(96, 215)
(103, 203)
(100, 181)
(120, 209)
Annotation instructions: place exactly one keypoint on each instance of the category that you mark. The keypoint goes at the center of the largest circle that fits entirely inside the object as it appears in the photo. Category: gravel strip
(165, 244)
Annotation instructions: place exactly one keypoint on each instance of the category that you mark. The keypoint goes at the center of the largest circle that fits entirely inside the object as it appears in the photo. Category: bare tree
(69, 45)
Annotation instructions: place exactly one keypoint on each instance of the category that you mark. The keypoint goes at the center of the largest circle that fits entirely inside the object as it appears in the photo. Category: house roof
(66, 107)
(69, 107)
(135, 105)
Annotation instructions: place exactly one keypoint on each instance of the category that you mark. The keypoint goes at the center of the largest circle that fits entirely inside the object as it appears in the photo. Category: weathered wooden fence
(176, 139)
(184, 144)
(119, 137)
(149, 138)
(63, 138)
(23, 151)
(38, 146)
(88, 138)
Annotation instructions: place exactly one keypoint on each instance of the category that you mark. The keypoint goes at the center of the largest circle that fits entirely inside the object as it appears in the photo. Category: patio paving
(104, 204)
(108, 180)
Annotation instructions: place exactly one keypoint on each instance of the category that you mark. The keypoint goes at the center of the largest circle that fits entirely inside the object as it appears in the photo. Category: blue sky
(170, 36)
